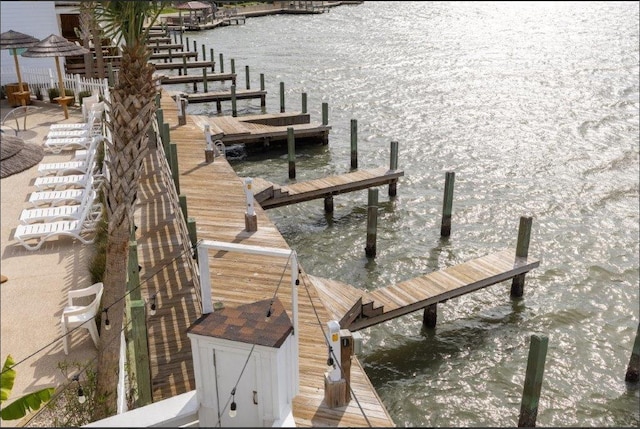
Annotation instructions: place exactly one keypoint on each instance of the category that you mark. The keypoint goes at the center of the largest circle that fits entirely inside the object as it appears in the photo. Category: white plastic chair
(81, 316)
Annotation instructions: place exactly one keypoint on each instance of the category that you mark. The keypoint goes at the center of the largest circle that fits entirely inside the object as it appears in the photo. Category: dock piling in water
(281, 97)
(633, 369)
(522, 251)
(393, 165)
(533, 381)
(304, 102)
(372, 222)
(325, 113)
(246, 77)
(221, 63)
(354, 144)
(234, 106)
(291, 152)
(447, 204)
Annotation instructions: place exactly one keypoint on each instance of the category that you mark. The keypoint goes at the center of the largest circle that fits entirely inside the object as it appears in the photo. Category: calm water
(535, 107)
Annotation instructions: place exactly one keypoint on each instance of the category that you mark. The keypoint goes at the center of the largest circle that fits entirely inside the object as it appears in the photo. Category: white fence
(42, 80)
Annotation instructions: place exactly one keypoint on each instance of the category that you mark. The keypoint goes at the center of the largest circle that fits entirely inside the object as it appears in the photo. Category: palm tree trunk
(130, 113)
(85, 33)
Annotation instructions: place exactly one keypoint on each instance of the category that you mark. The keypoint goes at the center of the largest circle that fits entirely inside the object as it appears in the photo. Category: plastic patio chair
(81, 316)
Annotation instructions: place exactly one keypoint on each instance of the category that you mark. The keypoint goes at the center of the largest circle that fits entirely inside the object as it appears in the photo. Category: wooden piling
(141, 352)
(633, 369)
(533, 381)
(182, 199)
(165, 138)
(372, 222)
(325, 113)
(304, 102)
(393, 165)
(234, 103)
(430, 316)
(281, 97)
(261, 81)
(173, 162)
(204, 53)
(186, 46)
(184, 65)
(193, 235)
(246, 77)
(221, 63)
(233, 66)
(522, 251)
(346, 351)
(213, 63)
(182, 119)
(133, 273)
(354, 144)
(205, 84)
(291, 151)
(195, 47)
(447, 204)
(328, 204)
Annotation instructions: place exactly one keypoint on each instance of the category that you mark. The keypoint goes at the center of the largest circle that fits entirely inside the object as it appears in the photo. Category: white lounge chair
(70, 181)
(70, 167)
(58, 145)
(58, 198)
(67, 212)
(91, 120)
(41, 232)
(81, 316)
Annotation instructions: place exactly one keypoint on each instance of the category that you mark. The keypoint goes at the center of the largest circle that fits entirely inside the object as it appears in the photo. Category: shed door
(228, 367)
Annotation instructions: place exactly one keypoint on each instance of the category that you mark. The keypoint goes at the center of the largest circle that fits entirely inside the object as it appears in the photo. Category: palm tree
(130, 112)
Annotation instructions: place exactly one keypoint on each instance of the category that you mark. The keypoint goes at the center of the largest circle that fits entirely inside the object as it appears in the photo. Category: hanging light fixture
(107, 324)
(233, 408)
(81, 398)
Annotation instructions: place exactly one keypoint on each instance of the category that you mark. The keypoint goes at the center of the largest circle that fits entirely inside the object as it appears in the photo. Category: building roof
(247, 324)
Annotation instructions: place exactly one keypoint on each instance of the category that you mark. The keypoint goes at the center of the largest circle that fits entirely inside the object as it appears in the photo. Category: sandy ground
(38, 281)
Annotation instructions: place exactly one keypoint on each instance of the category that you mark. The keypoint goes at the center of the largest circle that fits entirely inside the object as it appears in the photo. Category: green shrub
(55, 92)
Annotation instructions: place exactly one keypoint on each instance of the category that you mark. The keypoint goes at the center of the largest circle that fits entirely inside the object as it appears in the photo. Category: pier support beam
(633, 369)
(354, 144)
(291, 152)
(447, 204)
(328, 204)
(430, 316)
(393, 165)
(522, 251)
(281, 97)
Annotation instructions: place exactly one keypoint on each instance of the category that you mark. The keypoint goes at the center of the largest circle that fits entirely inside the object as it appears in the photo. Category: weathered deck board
(215, 198)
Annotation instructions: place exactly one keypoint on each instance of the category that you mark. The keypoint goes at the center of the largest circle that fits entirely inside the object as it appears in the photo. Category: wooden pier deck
(216, 200)
(191, 78)
(174, 55)
(219, 96)
(380, 305)
(270, 195)
(179, 66)
(241, 130)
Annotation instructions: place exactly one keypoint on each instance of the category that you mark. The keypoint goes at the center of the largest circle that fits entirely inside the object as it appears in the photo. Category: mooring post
(193, 235)
(346, 351)
(304, 102)
(221, 63)
(173, 152)
(291, 151)
(170, 59)
(261, 81)
(372, 223)
(181, 30)
(204, 53)
(325, 113)
(633, 369)
(213, 62)
(246, 77)
(393, 165)
(208, 145)
(182, 200)
(533, 381)
(195, 48)
(184, 65)
(328, 204)
(234, 107)
(429, 316)
(447, 204)
(250, 218)
(354, 144)
(522, 251)
(160, 119)
(233, 66)
(281, 97)
(182, 111)
(186, 44)
(205, 84)
(166, 135)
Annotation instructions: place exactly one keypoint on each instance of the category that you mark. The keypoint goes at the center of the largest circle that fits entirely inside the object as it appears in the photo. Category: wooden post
(261, 81)
(291, 150)
(328, 204)
(195, 48)
(250, 218)
(304, 102)
(141, 351)
(447, 204)
(533, 381)
(184, 64)
(193, 235)
(173, 162)
(246, 77)
(430, 316)
(213, 63)
(182, 199)
(325, 113)
(204, 53)
(234, 107)
(346, 351)
(209, 150)
(157, 99)
(165, 138)
(233, 66)
(186, 44)
(160, 118)
(221, 63)
(281, 97)
(182, 107)
(633, 369)
(170, 59)
(372, 223)
(354, 144)
(133, 272)
(153, 138)
(393, 165)
(522, 251)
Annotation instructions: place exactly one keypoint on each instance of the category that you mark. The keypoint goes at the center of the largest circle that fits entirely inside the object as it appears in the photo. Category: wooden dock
(181, 66)
(220, 96)
(270, 195)
(216, 200)
(383, 304)
(176, 55)
(256, 129)
(197, 78)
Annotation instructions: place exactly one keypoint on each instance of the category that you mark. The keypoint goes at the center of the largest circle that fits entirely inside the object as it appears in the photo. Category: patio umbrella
(14, 40)
(56, 46)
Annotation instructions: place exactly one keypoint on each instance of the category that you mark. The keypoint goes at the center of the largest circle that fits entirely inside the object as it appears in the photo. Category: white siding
(35, 18)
